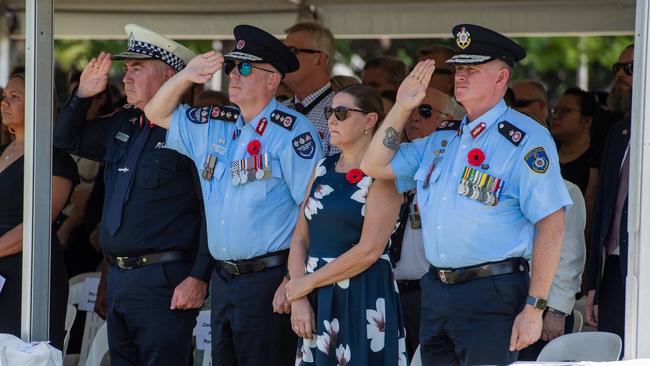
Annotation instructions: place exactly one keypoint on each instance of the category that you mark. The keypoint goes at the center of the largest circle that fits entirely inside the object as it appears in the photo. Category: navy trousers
(245, 330)
(411, 298)
(470, 323)
(611, 299)
(142, 330)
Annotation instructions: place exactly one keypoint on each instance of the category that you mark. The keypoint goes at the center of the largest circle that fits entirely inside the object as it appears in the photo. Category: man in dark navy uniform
(152, 210)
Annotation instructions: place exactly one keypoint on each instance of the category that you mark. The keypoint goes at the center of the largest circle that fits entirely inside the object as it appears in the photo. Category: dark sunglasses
(245, 68)
(626, 66)
(303, 50)
(341, 113)
(426, 111)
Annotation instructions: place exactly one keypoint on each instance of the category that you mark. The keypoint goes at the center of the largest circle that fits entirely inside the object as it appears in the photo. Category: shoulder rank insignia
(202, 115)
(511, 133)
(283, 119)
(537, 160)
(448, 125)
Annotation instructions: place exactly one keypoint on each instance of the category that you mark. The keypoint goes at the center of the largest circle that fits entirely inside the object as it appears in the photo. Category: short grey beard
(620, 101)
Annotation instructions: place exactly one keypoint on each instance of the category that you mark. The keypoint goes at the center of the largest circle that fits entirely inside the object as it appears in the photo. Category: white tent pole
(637, 337)
(38, 171)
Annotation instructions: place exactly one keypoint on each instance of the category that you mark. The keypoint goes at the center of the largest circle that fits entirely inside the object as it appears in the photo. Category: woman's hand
(299, 287)
(94, 77)
(202, 67)
(413, 89)
(303, 320)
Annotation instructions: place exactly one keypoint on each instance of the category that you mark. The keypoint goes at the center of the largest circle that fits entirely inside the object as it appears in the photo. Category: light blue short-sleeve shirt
(519, 157)
(259, 216)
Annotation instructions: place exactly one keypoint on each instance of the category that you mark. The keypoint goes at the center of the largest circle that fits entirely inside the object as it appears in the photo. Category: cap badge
(463, 38)
(131, 41)
(240, 44)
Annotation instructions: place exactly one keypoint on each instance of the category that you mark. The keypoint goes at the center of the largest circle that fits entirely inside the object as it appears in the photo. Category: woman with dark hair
(571, 121)
(344, 299)
(64, 178)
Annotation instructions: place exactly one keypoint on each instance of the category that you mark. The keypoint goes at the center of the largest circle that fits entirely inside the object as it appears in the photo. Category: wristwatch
(537, 302)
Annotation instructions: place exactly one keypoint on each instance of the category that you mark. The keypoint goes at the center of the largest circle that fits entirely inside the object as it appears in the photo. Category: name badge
(122, 137)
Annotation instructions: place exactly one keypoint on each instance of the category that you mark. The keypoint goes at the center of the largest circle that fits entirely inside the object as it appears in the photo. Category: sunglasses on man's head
(626, 66)
(245, 68)
(341, 113)
(426, 111)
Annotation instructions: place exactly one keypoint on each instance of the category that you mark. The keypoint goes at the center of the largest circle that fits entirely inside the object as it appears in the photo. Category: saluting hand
(202, 67)
(413, 89)
(94, 77)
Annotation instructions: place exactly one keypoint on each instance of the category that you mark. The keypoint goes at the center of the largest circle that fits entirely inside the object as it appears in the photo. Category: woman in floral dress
(344, 300)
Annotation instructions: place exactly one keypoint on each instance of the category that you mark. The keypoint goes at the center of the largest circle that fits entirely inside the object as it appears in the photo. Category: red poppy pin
(354, 176)
(475, 157)
(254, 147)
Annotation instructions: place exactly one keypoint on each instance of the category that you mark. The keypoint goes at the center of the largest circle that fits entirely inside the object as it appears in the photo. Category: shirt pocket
(159, 169)
(424, 193)
(218, 176)
(114, 155)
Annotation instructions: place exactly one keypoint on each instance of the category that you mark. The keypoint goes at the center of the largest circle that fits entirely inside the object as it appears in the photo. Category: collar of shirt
(311, 97)
(270, 107)
(483, 122)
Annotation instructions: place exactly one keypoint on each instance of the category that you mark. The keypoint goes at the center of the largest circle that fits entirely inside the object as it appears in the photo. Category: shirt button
(242, 144)
(442, 255)
(444, 198)
(222, 222)
(223, 249)
(463, 147)
(439, 227)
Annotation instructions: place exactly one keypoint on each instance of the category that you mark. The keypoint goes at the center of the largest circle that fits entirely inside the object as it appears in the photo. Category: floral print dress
(358, 320)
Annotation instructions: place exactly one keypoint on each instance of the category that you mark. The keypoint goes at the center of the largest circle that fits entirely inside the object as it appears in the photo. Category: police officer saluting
(152, 211)
(490, 196)
(255, 164)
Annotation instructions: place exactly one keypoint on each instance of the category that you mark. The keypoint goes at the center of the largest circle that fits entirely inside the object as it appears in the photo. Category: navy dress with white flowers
(358, 320)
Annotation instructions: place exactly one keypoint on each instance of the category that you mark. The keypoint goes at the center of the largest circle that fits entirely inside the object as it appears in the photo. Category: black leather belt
(143, 260)
(254, 264)
(408, 284)
(464, 274)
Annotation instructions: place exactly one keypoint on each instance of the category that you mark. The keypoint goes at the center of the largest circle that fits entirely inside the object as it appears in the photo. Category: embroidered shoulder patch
(537, 160)
(448, 125)
(304, 145)
(511, 133)
(283, 119)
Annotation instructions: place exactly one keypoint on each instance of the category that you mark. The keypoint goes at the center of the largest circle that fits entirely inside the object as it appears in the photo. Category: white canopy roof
(215, 19)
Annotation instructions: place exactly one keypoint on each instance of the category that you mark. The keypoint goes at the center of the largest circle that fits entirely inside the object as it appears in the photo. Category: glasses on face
(426, 111)
(341, 113)
(560, 112)
(297, 50)
(520, 103)
(245, 68)
(626, 66)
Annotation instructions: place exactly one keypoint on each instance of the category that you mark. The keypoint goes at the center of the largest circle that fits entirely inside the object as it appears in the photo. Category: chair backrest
(70, 315)
(578, 321)
(93, 321)
(98, 349)
(416, 360)
(587, 346)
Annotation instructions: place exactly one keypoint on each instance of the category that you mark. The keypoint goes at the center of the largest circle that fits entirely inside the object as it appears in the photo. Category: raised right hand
(94, 76)
(202, 67)
(413, 89)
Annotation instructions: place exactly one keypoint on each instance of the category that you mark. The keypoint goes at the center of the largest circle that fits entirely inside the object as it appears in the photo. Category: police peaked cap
(478, 45)
(256, 45)
(145, 44)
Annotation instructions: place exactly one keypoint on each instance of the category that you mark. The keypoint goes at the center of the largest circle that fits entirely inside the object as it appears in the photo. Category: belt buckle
(236, 272)
(121, 262)
(442, 276)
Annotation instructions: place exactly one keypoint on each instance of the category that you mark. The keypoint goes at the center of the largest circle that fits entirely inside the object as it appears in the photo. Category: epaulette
(202, 115)
(511, 133)
(448, 125)
(283, 119)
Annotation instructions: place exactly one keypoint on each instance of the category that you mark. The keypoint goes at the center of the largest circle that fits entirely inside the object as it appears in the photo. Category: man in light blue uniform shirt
(491, 197)
(255, 162)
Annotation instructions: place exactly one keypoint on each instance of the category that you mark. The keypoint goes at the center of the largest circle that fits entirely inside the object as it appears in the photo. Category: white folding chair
(416, 360)
(93, 321)
(70, 315)
(578, 321)
(98, 349)
(587, 346)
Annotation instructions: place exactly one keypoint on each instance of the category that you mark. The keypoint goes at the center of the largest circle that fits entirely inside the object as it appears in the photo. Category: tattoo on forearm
(391, 139)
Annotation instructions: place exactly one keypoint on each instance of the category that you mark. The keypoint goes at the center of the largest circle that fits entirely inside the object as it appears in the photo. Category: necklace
(7, 156)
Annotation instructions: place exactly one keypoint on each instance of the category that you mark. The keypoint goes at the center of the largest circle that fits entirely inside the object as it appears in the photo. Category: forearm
(160, 108)
(546, 253)
(12, 241)
(345, 266)
(297, 256)
(385, 142)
